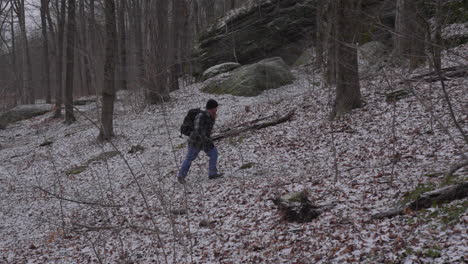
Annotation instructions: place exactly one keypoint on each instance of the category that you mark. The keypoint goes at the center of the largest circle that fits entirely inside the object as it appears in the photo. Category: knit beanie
(211, 104)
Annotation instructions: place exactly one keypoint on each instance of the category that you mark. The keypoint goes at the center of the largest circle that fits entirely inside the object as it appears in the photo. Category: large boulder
(253, 79)
(23, 112)
(372, 52)
(261, 30)
(218, 69)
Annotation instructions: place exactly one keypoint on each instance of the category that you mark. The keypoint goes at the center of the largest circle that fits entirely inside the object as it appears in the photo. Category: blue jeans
(192, 154)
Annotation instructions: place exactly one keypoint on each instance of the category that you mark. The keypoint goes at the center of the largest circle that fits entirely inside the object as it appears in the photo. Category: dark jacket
(201, 134)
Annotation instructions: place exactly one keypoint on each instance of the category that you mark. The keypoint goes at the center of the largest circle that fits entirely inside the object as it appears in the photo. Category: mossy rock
(76, 170)
(306, 58)
(432, 253)
(181, 145)
(296, 197)
(457, 11)
(104, 156)
(253, 79)
(247, 165)
(218, 69)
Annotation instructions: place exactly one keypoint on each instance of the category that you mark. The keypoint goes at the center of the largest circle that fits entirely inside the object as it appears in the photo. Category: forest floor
(65, 202)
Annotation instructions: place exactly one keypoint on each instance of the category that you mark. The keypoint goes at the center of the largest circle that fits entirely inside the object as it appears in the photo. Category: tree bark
(319, 35)
(175, 45)
(85, 47)
(209, 7)
(45, 44)
(93, 46)
(437, 41)
(18, 74)
(426, 200)
(108, 93)
(348, 94)
(59, 62)
(330, 43)
(158, 38)
(409, 38)
(123, 45)
(69, 116)
(28, 91)
(137, 15)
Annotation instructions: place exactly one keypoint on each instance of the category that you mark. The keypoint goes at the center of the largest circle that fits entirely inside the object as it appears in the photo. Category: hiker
(200, 139)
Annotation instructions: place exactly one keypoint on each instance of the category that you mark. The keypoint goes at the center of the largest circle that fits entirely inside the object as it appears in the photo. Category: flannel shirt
(201, 135)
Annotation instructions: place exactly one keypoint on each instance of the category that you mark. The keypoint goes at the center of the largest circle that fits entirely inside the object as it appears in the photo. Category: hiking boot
(215, 176)
(181, 180)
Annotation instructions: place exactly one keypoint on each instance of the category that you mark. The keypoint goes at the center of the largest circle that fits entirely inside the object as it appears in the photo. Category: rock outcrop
(267, 29)
(253, 79)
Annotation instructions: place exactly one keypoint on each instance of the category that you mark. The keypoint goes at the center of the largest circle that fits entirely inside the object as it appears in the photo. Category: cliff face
(282, 28)
(272, 28)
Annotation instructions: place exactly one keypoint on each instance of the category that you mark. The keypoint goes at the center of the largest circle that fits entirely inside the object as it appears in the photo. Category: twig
(76, 201)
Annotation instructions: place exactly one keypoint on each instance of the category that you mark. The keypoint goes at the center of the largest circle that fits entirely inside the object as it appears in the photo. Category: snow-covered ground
(124, 209)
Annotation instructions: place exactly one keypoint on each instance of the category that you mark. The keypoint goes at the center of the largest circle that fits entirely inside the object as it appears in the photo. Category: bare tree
(85, 49)
(18, 74)
(123, 44)
(209, 8)
(174, 49)
(330, 42)
(108, 93)
(45, 44)
(437, 40)
(157, 91)
(136, 21)
(348, 94)
(71, 31)
(28, 91)
(59, 62)
(409, 32)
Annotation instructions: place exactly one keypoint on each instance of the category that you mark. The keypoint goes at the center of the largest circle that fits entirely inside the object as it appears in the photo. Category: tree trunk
(330, 43)
(409, 33)
(28, 91)
(138, 23)
(209, 7)
(92, 47)
(61, 34)
(45, 43)
(123, 45)
(437, 41)
(18, 74)
(175, 45)
(69, 116)
(108, 93)
(158, 38)
(233, 4)
(348, 94)
(85, 47)
(196, 17)
(319, 35)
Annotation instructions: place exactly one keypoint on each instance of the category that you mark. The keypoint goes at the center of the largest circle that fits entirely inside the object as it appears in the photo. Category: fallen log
(450, 72)
(427, 199)
(455, 168)
(237, 131)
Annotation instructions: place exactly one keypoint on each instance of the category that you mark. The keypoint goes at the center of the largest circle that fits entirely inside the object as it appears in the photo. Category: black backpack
(189, 121)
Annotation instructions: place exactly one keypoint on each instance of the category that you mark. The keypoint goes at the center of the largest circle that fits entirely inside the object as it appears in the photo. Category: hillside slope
(63, 203)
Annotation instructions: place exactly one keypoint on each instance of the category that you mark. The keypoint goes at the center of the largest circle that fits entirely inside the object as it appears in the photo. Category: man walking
(200, 139)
